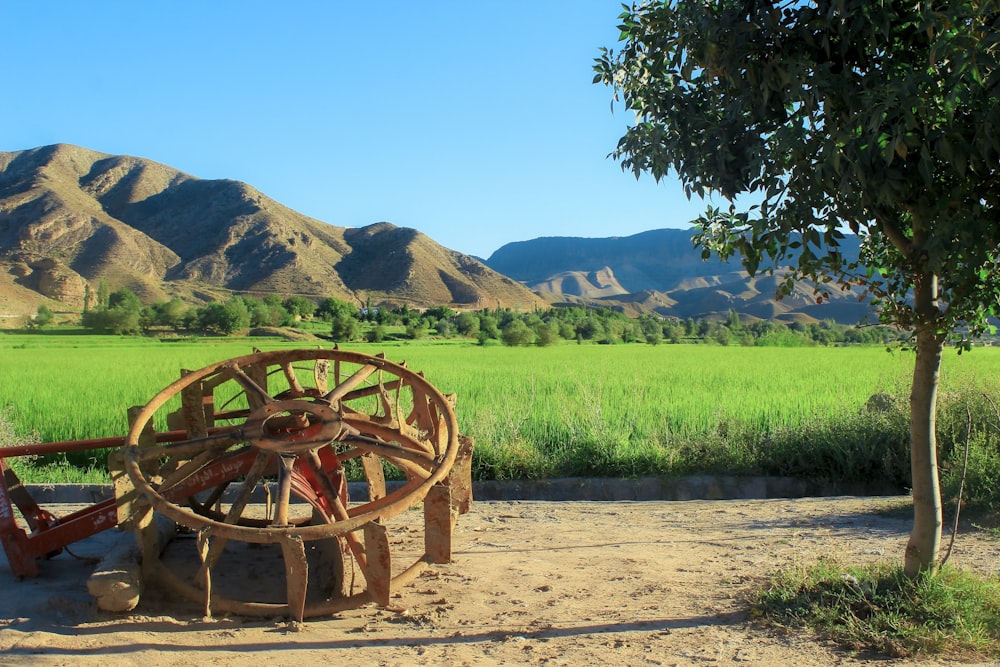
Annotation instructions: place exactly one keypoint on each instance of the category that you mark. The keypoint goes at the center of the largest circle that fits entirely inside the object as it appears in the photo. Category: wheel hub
(293, 426)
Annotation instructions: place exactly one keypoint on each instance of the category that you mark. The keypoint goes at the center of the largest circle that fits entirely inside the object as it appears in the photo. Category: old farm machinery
(249, 459)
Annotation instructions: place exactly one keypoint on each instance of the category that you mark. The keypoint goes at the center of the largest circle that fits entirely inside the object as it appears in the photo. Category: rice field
(534, 412)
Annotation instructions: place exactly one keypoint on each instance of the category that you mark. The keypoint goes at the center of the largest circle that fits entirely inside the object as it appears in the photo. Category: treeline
(121, 312)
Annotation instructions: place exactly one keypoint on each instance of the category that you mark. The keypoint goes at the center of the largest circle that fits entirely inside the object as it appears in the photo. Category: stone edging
(697, 487)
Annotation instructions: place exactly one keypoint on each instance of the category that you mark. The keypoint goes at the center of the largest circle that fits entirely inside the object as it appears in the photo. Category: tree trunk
(925, 538)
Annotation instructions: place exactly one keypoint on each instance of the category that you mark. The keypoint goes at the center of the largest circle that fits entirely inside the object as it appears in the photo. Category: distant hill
(661, 271)
(70, 217)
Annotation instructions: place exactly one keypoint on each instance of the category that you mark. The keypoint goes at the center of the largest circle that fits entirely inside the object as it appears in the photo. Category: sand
(546, 583)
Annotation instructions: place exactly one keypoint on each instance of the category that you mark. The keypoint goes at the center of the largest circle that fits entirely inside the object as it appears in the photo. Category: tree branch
(896, 237)
(961, 488)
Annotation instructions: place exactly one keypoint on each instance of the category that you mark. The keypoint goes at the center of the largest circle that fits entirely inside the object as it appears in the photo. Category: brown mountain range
(71, 217)
(661, 271)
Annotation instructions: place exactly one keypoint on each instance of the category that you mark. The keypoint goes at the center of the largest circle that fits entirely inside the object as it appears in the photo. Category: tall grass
(633, 410)
(79, 387)
(566, 410)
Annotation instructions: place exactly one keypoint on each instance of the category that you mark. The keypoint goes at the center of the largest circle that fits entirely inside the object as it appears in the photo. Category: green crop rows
(620, 410)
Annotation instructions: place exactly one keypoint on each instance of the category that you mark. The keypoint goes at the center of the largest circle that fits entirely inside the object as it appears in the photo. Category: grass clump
(878, 609)
(970, 453)
(9, 436)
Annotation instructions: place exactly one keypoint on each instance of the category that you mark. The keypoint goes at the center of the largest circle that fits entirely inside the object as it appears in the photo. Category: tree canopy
(878, 118)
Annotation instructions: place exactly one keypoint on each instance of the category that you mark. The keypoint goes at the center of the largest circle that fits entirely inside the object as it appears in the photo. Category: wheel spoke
(392, 451)
(284, 490)
(375, 475)
(214, 551)
(238, 413)
(204, 577)
(381, 390)
(358, 550)
(350, 383)
(189, 468)
(412, 470)
(378, 574)
(256, 395)
(295, 387)
(326, 488)
(205, 471)
(213, 498)
(408, 467)
(338, 511)
(348, 454)
(389, 432)
(247, 486)
(421, 414)
(187, 449)
(362, 392)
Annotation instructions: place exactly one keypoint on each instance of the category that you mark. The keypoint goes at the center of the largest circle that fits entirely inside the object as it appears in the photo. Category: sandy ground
(548, 583)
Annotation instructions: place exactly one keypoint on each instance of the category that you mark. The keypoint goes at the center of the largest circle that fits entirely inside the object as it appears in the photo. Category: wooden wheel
(291, 426)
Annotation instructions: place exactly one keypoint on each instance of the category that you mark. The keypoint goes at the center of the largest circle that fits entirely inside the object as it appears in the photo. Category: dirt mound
(285, 333)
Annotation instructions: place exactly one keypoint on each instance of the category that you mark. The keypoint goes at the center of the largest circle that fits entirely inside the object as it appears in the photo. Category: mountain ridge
(73, 216)
(661, 271)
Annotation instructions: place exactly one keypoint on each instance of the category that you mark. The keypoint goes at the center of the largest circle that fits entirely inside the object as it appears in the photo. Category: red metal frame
(50, 534)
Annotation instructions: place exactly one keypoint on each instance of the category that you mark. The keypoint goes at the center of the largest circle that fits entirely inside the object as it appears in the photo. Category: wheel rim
(292, 422)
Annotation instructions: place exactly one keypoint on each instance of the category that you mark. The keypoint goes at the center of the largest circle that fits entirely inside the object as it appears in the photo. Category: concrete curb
(698, 487)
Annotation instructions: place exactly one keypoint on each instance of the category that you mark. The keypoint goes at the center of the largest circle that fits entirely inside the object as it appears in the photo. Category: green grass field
(540, 412)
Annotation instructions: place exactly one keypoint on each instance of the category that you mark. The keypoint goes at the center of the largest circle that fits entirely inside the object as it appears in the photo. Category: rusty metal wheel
(293, 425)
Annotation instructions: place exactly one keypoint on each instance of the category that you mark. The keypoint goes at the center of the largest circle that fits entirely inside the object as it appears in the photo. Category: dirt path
(548, 583)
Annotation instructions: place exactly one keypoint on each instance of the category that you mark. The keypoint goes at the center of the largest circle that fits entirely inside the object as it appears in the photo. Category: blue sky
(476, 123)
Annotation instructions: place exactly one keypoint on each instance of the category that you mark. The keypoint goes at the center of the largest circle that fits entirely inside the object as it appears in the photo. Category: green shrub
(970, 418)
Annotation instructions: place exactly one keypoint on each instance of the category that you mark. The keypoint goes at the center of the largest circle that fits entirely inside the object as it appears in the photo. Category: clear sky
(475, 122)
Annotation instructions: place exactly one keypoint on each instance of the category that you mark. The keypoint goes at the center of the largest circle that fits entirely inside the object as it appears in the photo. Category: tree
(102, 293)
(344, 328)
(546, 333)
(226, 318)
(329, 307)
(489, 326)
(43, 317)
(376, 334)
(588, 328)
(264, 314)
(124, 299)
(439, 313)
(119, 321)
(467, 324)
(117, 312)
(878, 117)
(415, 329)
(299, 306)
(517, 333)
(168, 313)
(443, 328)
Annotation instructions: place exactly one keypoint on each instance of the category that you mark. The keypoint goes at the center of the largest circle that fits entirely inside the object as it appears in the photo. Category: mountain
(71, 217)
(661, 271)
